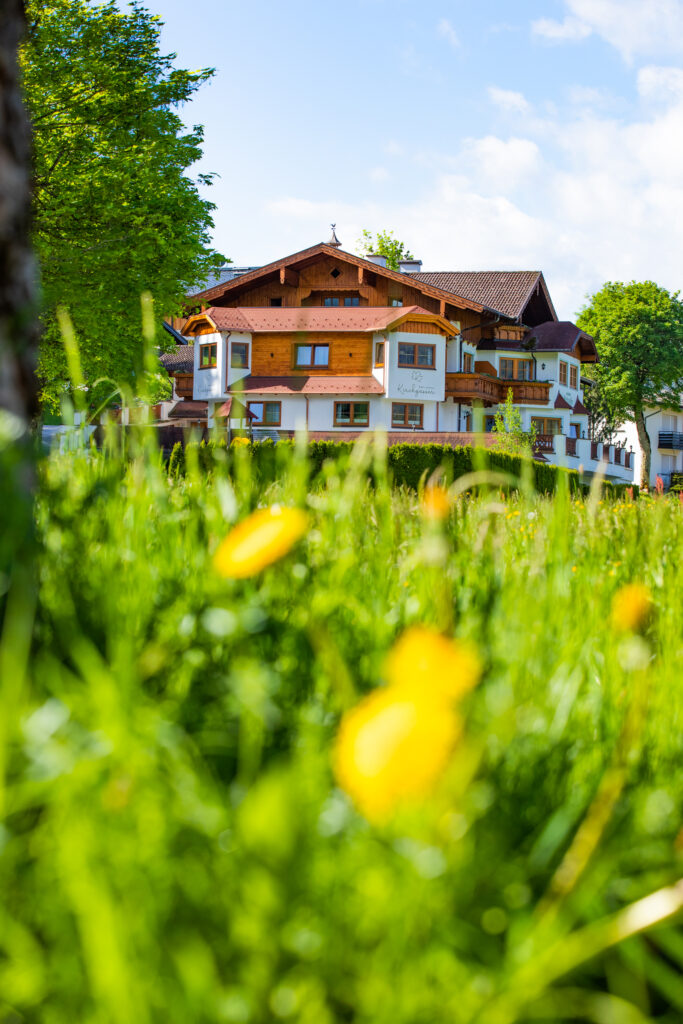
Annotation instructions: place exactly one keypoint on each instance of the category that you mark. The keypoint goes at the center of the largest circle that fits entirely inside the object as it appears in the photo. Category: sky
(536, 134)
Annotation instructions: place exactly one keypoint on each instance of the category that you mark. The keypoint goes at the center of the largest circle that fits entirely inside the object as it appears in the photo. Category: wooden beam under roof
(289, 276)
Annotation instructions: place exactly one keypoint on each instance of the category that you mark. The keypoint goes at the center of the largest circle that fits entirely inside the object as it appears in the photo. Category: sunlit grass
(177, 846)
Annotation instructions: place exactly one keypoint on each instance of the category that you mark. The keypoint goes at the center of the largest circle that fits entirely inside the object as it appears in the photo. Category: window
(405, 415)
(276, 302)
(239, 353)
(573, 376)
(416, 355)
(208, 355)
(547, 425)
(516, 369)
(331, 300)
(348, 414)
(312, 355)
(268, 414)
(467, 362)
(379, 353)
(335, 272)
(396, 302)
(352, 300)
(563, 372)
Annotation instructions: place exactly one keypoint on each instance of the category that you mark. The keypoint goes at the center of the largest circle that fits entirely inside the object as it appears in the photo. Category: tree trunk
(18, 321)
(645, 447)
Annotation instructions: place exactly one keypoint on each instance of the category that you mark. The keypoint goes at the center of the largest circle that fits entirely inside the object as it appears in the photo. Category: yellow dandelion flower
(259, 540)
(392, 748)
(428, 664)
(435, 502)
(239, 442)
(631, 607)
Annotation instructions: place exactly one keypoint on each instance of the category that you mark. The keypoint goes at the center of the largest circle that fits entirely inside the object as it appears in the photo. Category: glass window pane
(321, 355)
(398, 413)
(272, 411)
(360, 412)
(352, 300)
(406, 355)
(343, 412)
(379, 353)
(303, 355)
(332, 300)
(414, 414)
(425, 355)
(257, 409)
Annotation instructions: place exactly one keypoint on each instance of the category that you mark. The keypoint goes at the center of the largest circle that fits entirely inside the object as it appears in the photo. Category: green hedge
(408, 463)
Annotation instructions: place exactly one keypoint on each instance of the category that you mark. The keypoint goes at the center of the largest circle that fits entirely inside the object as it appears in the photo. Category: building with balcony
(338, 344)
(665, 430)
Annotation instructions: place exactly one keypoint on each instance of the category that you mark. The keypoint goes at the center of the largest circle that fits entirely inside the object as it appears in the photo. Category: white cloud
(379, 174)
(571, 29)
(447, 32)
(502, 165)
(633, 27)
(508, 100)
(657, 83)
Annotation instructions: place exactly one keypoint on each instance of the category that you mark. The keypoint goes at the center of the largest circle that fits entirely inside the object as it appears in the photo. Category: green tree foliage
(384, 244)
(638, 331)
(508, 433)
(115, 213)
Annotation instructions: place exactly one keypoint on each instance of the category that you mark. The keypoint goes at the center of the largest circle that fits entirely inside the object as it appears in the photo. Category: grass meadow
(400, 757)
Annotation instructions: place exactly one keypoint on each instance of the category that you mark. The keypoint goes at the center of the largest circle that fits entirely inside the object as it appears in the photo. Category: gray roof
(178, 360)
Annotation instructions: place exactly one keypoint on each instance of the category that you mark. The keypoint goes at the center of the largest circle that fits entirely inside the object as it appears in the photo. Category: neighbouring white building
(665, 430)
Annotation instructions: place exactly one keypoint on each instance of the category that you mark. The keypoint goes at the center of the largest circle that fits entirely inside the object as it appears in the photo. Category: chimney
(410, 266)
(374, 257)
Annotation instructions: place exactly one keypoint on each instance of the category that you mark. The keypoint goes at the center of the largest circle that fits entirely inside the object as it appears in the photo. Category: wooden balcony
(545, 442)
(469, 387)
(570, 446)
(671, 440)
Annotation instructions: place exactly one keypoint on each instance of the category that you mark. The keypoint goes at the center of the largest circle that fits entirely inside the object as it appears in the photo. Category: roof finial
(334, 240)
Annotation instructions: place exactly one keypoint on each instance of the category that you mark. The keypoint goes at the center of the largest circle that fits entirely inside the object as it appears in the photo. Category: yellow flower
(435, 502)
(391, 748)
(631, 607)
(239, 442)
(428, 664)
(259, 540)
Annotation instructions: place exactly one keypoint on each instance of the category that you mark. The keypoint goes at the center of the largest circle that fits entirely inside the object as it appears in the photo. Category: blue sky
(488, 136)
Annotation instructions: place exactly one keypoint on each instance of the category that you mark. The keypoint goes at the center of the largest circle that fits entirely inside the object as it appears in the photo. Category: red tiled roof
(255, 319)
(188, 410)
(323, 385)
(561, 403)
(232, 406)
(506, 291)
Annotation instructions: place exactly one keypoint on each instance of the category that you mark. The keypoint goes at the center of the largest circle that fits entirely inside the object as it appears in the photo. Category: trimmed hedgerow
(408, 464)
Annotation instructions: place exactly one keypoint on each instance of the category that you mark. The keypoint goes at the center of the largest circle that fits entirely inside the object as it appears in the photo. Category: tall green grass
(174, 847)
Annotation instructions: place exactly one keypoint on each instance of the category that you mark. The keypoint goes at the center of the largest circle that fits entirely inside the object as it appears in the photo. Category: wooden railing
(545, 443)
(491, 390)
(570, 445)
(617, 456)
(594, 450)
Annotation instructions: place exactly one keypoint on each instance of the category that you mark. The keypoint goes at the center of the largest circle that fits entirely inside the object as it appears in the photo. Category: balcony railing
(492, 390)
(670, 439)
(570, 446)
(545, 442)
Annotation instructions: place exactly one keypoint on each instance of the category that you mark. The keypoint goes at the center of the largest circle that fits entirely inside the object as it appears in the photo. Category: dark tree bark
(18, 320)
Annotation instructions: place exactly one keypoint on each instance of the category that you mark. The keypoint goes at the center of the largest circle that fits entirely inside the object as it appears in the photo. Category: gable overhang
(200, 323)
(445, 326)
(305, 257)
(538, 285)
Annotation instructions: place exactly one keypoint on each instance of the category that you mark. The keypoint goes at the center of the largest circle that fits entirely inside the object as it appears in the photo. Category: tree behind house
(115, 214)
(384, 244)
(638, 332)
